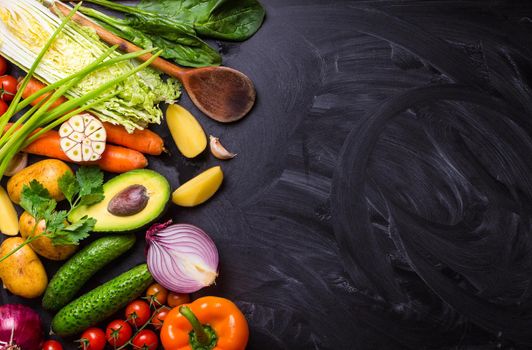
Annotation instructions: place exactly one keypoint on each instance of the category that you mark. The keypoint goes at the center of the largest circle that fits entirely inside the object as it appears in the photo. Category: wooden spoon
(222, 93)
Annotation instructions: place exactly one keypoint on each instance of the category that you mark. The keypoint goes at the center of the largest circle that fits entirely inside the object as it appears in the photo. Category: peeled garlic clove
(19, 162)
(218, 150)
(83, 138)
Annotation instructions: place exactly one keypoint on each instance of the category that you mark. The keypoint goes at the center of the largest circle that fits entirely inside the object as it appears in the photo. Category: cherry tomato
(3, 65)
(146, 340)
(92, 339)
(176, 299)
(8, 87)
(118, 333)
(51, 344)
(138, 313)
(159, 317)
(3, 107)
(158, 292)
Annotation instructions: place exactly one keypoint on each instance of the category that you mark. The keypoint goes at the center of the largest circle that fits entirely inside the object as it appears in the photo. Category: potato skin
(43, 245)
(22, 273)
(47, 172)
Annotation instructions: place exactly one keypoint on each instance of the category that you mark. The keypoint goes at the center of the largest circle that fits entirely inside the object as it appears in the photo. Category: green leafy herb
(75, 232)
(86, 188)
(69, 186)
(90, 180)
(36, 200)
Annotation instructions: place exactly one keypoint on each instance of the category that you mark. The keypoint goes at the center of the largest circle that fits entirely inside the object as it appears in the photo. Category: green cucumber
(75, 272)
(101, 302)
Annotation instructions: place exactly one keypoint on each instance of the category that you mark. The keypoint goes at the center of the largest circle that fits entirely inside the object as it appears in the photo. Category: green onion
(17, 137)
(25, 27)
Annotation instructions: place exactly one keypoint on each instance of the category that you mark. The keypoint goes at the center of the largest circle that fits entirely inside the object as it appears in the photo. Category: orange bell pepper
(209, 323)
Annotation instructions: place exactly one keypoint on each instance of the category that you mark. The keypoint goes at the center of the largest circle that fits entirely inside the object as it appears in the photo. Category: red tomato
(159, 317)
(51, 344)
(3, 65)
(146, 340)
(176, 299)
(8, 87)
(118, 333)
(3, 107)
(93, 339)
(157, 292)
(138, 313)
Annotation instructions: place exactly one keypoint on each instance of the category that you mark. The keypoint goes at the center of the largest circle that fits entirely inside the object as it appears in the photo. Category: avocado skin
(101, 302)
(77, 270)
(106, 222)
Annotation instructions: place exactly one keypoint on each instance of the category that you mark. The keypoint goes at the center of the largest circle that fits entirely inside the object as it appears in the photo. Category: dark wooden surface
(382, 193)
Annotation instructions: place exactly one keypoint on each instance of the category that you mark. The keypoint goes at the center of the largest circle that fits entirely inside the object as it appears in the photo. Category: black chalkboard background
(382, 193)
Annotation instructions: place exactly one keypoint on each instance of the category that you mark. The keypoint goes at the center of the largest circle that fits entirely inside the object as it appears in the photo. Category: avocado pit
(130, 201)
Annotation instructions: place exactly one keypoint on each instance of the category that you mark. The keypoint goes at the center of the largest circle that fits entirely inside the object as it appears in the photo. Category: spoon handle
(124, 45)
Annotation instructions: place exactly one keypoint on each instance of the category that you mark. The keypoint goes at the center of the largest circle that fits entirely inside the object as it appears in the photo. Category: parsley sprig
(83, 189)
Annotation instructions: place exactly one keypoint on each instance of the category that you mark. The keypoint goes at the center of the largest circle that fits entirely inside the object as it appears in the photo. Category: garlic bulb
(83, 138)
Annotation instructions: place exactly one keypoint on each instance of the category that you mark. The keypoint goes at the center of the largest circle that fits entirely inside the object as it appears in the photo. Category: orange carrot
(118, 159)
(144, 141)
(33, 86)
(115, 159)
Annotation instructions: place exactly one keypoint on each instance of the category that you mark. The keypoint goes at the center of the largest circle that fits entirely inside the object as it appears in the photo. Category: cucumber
(101, 302)
(75, 272)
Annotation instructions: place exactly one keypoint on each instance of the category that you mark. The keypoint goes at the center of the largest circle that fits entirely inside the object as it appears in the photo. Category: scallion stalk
(19, 137)
(13, 106)
(74, 79)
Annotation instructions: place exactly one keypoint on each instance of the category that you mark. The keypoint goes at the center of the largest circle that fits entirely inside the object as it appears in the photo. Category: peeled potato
(186, 131)
(199, 189)
(22, 273)
(43, 245)
(9, 220)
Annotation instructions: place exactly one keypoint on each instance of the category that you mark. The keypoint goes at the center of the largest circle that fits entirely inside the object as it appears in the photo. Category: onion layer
(20, 328)
(182, 257)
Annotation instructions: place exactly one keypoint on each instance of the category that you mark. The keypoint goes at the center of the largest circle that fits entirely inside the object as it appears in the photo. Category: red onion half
(20, 328)
(181, 257)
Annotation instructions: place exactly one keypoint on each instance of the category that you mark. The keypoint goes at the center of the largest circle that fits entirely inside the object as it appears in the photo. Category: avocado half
(158, 190)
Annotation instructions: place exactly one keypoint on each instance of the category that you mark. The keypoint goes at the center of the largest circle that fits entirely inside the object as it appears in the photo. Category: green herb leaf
(74, 233)
(90, 180)
(69, 186)
(36, 200)
(91, 199)
(56, 222)
(86, 188)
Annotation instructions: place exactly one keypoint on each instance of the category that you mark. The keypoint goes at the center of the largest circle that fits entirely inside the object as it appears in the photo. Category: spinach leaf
(147, 30)
(221, 19)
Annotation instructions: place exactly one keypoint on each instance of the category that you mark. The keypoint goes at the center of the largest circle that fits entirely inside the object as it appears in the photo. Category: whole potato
(47, 172)
(22, 273)
(43, 245)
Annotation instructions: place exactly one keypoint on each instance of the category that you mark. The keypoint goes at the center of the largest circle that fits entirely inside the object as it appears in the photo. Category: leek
(27, 25)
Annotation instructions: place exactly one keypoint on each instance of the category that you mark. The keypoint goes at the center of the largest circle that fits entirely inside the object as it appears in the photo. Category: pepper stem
(202, 336)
